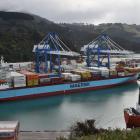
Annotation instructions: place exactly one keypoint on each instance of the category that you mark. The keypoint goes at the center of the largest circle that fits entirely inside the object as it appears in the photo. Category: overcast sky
(86, 11)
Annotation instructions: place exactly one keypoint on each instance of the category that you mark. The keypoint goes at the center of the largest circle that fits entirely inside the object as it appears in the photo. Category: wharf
(42, 135)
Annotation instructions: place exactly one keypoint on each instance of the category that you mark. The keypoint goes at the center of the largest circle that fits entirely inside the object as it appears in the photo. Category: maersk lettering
(75, 85)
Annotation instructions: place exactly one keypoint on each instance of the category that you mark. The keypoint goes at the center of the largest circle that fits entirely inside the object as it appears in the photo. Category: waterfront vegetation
(87, 131)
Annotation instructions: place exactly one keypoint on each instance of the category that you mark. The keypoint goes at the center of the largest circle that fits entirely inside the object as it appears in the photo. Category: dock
(42, 135)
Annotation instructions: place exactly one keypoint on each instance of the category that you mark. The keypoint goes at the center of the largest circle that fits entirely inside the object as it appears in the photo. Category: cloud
(88, 11)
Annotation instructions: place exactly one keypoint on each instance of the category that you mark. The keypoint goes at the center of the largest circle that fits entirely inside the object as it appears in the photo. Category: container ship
(53, 73)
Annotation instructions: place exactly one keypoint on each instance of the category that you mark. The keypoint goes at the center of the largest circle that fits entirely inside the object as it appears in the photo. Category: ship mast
(2, 60)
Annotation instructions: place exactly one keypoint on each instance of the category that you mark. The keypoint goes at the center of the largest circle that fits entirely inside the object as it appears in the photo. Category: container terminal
(58, 70)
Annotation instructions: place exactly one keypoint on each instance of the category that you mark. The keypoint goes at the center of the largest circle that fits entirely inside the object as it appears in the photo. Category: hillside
(20, 31)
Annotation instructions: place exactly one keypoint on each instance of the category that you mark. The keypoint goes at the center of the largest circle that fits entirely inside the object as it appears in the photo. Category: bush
(87, 131)
(84, 128)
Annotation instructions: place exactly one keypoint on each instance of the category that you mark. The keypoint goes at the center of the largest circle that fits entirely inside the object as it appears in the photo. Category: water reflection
(59, 112)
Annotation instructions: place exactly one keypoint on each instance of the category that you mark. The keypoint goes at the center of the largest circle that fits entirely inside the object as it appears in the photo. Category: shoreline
(42, 135)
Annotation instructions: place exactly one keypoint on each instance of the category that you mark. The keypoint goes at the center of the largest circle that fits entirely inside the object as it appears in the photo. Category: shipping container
(9, 130)
(133, 70)
(42, 76)
(105, 73)
(44, 80)
(74, 77)
(65, 75)
(4, 84)
(57, 80)
(112, 72)
(36, 82)
(121, 74)
(85, 74)
(32, 79)
(53, 75)
(17, 79)
(30, 83)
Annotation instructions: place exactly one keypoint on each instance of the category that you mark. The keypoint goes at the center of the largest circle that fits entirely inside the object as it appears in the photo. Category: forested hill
(20, 31)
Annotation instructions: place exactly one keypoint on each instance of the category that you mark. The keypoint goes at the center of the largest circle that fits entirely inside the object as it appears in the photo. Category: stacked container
(2, 74)
(127, 73)
(17, 79)
(104, 72)
(3, 84)
(52, 75)
(3, 71)
(71, 77)
(112, 73)
(133, 70)
(95, 72)
(31, 78)
(57, 80)
(65, 76)
(121, 74)
(44, 79)
(85, 75)
(74, 77)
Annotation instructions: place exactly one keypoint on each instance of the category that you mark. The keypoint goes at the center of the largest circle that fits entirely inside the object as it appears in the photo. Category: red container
(120, 69)
(113, 76)
(57, 80)
(31, 78)
(45, 84)
(2, 81)
(42, 76)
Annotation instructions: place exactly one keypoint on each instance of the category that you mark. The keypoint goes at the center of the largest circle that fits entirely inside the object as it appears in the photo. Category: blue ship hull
(50, 90)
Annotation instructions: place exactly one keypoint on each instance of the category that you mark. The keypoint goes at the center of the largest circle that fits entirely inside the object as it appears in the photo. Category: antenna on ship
(2, 60)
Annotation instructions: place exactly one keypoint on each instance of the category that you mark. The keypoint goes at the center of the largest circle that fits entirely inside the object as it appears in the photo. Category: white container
(18, 79)
(95, 72)
(121, 74)
(2, 74)
(104, 72)
(4, 86)
(19, 85)
(74, 77)
(44, 80)
(66, 75)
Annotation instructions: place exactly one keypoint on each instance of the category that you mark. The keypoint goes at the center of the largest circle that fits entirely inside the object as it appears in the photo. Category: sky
(75, 11)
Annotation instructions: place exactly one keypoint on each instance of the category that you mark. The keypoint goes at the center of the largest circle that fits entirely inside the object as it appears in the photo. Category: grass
(87, 131)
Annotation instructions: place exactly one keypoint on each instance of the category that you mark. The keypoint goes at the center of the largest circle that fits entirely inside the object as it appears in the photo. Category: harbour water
(60, 112)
